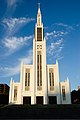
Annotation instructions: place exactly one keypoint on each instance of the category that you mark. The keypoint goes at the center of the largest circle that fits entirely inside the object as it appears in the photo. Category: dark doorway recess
(39, 100)
(52, 100)
(26, 100)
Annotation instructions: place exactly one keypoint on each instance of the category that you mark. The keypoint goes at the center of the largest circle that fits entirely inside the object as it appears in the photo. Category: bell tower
(39, 26)
(39, 59)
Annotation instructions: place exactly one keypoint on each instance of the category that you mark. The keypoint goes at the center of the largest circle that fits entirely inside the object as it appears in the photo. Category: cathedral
(39, 82)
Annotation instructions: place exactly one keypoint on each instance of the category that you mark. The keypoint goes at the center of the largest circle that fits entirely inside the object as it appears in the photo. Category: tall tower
(39, 60)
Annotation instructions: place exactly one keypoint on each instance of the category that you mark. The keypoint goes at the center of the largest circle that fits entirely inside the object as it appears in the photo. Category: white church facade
(39, 82)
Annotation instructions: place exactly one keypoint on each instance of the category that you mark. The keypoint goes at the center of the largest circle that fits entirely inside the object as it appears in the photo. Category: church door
(39, 100)
(26, 100)
(52, 100)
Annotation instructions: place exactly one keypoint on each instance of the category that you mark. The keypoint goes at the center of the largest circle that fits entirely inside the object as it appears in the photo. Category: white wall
(56, 91)
(67, 92)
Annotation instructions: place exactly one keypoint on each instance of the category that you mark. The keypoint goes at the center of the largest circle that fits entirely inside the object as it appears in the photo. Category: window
(1, 88)
(39, 70)
(51, 78)
(15, 93)
(27, 79)
(39, 46)
(63, 93)
(39, 34)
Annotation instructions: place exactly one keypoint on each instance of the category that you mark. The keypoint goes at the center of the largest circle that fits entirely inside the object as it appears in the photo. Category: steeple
(39, 19)
(39, 36)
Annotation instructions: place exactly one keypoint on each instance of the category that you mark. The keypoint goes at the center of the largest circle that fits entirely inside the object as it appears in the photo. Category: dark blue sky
(61, 20)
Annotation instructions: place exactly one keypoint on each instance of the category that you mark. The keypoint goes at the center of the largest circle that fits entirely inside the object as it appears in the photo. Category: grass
(41, 111)
(1, 105)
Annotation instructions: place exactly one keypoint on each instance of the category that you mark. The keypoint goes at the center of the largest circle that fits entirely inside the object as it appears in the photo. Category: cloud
(68, 27)
(59, 29)
(11, 7)
(55, 48)
(27, 59)
(60, 58)
(9, 71)
(14, 24)
(12, 44)
(11, 3)
(62, 24)
(55, 34)
(14, 70)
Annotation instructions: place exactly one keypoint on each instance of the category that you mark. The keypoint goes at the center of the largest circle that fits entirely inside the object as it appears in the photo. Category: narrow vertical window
(27, 79)
(51, 79)
(39, 70)
(63, 93)
(15, 93)
(39, 34)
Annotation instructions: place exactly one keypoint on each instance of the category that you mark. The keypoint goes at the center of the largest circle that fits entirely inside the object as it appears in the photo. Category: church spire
(39, 19)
